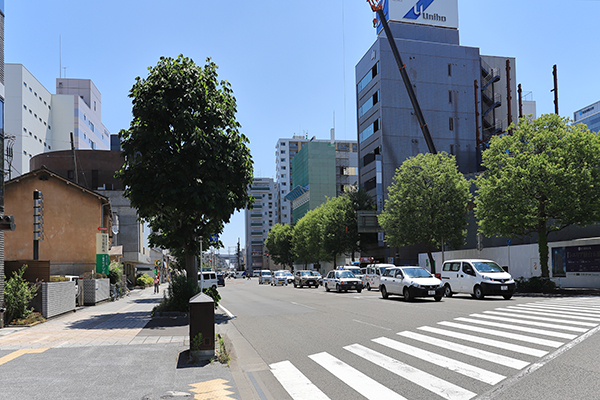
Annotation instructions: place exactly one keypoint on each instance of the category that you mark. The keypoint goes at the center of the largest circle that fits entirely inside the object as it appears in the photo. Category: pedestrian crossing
(454, 360)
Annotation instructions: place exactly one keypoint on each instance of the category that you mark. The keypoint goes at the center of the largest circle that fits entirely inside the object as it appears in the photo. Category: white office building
(38, 121)
(259, 221)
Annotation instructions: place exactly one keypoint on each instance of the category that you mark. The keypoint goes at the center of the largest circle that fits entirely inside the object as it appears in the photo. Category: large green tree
(427, 203)
(187, 167)
(541, 178)
(279, 243)
(339, 229)
(306, 239)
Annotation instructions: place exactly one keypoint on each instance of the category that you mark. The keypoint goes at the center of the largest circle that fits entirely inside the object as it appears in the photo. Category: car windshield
(279, 274)
(416, 273)
(382, 270)
(344, 274)
(487, 266)
(355, 271)
(287, 273)
(266, 273)
(307, 273)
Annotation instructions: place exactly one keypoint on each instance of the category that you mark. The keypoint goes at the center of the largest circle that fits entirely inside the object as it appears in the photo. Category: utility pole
(508, 92)
(74, 159)
(520, 92)
(555, 90)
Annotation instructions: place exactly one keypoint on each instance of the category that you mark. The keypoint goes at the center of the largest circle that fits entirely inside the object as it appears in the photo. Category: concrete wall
(57, 298)
(95, 290)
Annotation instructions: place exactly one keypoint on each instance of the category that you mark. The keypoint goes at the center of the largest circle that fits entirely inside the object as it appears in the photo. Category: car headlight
(415, 284)
(486, 278)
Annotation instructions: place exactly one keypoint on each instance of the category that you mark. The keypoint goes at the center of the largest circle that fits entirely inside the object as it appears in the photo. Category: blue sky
(290, 63)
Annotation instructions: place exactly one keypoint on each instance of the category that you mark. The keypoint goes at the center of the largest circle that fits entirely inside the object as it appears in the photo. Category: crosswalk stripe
(295, 383)
(565, 310)
(512, 313)
(526, 322)
(488, 342)
(460, 367)
(368, 387)
(561, 314)
(427, 381)
(503, 334)
(561, 335)
(467, 350)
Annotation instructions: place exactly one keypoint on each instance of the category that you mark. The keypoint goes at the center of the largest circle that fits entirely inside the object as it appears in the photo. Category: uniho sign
(443, 13)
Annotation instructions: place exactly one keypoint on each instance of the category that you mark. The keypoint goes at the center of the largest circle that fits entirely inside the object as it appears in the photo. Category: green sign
(102, 262)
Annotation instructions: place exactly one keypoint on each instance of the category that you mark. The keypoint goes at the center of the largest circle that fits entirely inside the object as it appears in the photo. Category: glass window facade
(368, 77)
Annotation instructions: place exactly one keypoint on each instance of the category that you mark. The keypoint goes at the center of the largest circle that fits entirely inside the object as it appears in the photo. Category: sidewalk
(140, 357)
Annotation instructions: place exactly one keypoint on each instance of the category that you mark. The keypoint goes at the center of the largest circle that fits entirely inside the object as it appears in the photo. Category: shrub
(535, 284)
(17, 295)
(115, 272)
(214, 293)
(178, 295)
(144, 280)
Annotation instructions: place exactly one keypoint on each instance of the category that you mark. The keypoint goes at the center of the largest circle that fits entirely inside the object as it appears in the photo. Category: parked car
(340, 279)
(255, 273)
(264, 276)
(279, 278)
(479, 278)
(305, 278)
(239, 274)
(373, 275)
(320, 278)
(410, 282)
(207, 279)
(220, 279)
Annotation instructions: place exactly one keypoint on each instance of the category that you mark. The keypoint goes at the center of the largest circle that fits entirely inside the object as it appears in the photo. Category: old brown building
(72, 216)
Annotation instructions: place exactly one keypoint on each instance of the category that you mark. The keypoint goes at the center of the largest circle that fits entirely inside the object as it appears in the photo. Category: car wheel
(358, 290)
(447, 291)
(478, 293)
(384, 292)
(368, 287)
(438, 298)
(406, 294)
(295, 284)
(326, 288)
(301, 285)
(214, 287)
(338, 288)
(507, 296)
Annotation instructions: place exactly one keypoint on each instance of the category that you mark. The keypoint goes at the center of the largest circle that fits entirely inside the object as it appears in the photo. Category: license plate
(503, 287)
(352, 287)
(431, 292)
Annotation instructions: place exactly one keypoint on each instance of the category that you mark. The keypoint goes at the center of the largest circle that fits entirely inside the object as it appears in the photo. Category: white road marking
(295, 383)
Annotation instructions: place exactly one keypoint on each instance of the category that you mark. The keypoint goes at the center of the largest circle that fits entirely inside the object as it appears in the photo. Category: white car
(339, 279)
(279, 278)
(356, 271)
(289, 275)
(207, 279)
(478, 278)
(410, 282)
(264, 276)
(373, 275)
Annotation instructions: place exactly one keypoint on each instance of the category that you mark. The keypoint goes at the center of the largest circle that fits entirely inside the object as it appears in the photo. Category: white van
(478, 278)
(373, 275)
(356, 271)
(207, 279)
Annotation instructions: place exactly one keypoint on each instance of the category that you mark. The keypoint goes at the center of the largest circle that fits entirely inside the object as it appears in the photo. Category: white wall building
(38, 121)
(259, 221)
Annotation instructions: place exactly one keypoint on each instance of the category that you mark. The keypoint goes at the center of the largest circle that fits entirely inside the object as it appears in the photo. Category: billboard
(443, 13)
(578, 259)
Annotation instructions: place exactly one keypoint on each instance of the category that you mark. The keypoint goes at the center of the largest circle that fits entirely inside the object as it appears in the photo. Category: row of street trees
(323, 233)
(539, 177)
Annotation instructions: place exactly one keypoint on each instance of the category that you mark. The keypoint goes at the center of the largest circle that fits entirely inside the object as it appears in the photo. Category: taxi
(340, 279)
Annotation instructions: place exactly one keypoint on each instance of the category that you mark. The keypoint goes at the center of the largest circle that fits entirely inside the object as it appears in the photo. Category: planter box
(54, 298)
(95, 291)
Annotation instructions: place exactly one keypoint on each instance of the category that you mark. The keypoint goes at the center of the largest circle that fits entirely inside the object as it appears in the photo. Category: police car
(340, 279)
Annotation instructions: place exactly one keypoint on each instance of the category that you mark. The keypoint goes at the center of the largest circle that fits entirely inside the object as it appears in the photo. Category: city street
(310, 344)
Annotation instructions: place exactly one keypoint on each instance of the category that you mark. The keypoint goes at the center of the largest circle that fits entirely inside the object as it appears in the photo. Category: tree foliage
(187, 167)
(540, 179)
(306, 238)
(279, 243)
(427, 203)
(339, 228)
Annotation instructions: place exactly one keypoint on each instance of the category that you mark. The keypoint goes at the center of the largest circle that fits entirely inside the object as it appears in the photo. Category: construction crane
(377, 7)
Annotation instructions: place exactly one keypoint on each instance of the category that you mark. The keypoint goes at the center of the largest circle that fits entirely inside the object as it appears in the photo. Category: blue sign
(418, 9)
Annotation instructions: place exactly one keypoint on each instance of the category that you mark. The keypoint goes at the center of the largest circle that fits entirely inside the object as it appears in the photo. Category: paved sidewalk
(114, 350)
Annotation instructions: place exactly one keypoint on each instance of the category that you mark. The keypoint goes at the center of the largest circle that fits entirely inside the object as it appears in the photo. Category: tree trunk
(191, 265)
(431, 261)
(543, 249)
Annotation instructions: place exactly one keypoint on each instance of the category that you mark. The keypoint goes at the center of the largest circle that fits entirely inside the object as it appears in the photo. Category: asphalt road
(310, 344)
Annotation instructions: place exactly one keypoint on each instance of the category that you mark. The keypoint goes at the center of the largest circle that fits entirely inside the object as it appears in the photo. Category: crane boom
(377, 7)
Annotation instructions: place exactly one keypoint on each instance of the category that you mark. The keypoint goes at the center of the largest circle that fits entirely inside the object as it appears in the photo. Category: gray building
(259, 222)
(466, 98)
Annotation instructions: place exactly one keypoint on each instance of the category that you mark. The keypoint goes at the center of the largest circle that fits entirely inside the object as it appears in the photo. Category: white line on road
(518, 328)
(295, 383)
(374, 326)
(447, 390)
(226, 311)
(459, 367)
(358, 381)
